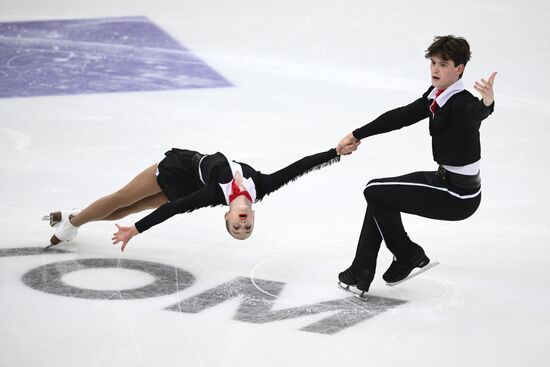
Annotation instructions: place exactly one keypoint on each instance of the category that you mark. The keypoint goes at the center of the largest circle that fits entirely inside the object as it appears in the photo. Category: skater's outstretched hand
(485, 88)
(124, 235)
(348, 149)
(347, 144)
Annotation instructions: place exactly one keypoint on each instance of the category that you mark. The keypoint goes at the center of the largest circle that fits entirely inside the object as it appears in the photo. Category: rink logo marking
(48, 278)
(256, 306)
(99, 55)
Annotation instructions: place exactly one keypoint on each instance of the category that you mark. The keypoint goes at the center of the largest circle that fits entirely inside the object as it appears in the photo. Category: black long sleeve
(395, 119)
(268, 183)
(471, 110)
(209, 195)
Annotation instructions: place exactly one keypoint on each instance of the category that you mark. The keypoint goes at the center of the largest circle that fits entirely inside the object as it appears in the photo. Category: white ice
(305, 73)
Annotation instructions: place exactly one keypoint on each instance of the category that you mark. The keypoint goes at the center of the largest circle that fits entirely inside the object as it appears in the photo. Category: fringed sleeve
(270, 183)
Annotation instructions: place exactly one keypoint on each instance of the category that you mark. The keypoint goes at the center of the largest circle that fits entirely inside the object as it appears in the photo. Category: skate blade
(418, 272)
(54, 241)
(362, 295)
(49, 218)
(54, 218)
(49, 246)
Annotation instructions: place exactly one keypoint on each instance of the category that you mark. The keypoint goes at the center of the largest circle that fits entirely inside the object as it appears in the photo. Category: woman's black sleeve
(210, 195)
(274, 181)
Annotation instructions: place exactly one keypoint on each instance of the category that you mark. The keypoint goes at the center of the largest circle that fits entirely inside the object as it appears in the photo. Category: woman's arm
(274, 181)
(124, 234)
(210, 195)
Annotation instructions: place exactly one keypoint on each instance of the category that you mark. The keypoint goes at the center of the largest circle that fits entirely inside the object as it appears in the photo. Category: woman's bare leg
(150, 202)
(142, 186)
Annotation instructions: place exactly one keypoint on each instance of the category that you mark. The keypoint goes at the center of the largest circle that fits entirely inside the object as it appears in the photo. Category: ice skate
(55, 218)
(417, 272)
(66, 233)
(400, 269)
(347, 279)
(356, 283)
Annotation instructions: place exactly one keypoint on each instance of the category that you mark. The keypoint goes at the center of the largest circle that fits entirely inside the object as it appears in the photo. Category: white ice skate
(66, 233)
(56, 218)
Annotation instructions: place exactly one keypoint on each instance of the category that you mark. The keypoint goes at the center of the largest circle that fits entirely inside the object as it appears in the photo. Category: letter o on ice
(48, 278)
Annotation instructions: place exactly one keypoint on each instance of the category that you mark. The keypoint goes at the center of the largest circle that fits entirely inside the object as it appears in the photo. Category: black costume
(191, 180)
(442, 194)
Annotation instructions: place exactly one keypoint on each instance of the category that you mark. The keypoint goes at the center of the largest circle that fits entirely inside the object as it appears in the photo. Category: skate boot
(357, 283)
(365, 278)
(66, 233)
(400, 269)
(347, 278)
(55, 218)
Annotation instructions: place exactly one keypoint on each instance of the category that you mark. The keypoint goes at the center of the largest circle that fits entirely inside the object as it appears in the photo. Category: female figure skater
(453, 192)
(184, 181)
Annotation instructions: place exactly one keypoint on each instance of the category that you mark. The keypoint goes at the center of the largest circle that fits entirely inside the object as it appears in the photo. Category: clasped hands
(347, 145)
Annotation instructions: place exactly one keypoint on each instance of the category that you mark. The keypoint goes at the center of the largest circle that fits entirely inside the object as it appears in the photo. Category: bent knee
(466, 213)
(370, 191)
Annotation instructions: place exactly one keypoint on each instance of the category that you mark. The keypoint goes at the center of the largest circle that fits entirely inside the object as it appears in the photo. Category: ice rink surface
(296, 77)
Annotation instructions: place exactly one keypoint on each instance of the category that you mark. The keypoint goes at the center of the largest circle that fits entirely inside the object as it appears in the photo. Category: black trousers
(420, 193)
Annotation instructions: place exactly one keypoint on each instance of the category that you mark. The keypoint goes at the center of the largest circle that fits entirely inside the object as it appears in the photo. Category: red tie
(236, 191)
(432, 106)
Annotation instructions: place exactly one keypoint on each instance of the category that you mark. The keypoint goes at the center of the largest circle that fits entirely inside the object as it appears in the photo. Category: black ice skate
(400, 269)
(357, 283)
(347, 278)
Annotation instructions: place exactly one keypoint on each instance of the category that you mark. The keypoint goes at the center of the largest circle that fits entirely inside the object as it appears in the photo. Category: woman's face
(240, 222)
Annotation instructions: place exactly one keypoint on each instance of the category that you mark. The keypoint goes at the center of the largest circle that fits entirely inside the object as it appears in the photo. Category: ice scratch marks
(18, 139)
(129, 317)
(105, 55)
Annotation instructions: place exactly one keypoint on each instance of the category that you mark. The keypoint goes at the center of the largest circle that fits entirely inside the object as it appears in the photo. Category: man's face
(444, 72)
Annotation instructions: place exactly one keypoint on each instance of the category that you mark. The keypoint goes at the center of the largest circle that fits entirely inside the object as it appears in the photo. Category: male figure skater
(453, 192)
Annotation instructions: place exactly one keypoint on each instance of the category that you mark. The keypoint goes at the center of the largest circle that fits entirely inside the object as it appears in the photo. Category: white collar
(248, 183)
(453, 89)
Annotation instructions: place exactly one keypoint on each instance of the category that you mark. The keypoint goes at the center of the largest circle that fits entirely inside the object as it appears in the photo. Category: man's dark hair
(450, 48)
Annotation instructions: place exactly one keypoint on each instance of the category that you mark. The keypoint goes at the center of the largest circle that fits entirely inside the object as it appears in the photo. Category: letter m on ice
(258, 299)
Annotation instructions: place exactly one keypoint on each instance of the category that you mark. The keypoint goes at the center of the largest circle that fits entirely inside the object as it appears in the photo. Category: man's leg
(419, 193)
(361, 272)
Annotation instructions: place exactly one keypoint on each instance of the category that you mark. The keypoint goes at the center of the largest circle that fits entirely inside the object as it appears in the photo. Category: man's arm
(391, 120)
